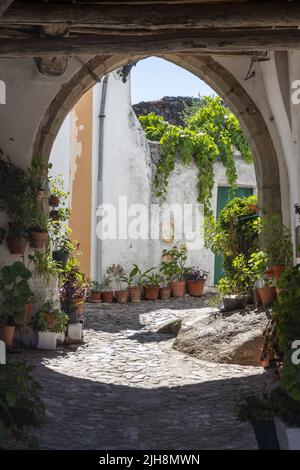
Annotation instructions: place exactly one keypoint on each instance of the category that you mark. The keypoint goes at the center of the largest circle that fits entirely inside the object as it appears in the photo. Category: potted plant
(106, 290)
(258, 411)
(117, 273)
(152, 284)
(57, 193)
(286, 411)
(16, 238)
(38, 176)
(277, 242)
(132, 281)
(266, 288)
(38, 232)
(95, 292)
(195, 281)
(14, 295)
(44, 266)
(49, 322)
(173, 268)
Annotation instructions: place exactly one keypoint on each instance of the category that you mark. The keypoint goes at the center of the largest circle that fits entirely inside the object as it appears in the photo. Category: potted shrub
(152, 283)
(267, 289)
(49, 322)
(165, 289)
(57, 194)
(95, 292)
(38, 232)
(117, 273)
(106, 290)
(195, 281)
(277, 241)
(287, 418)
(258, 411)
(133, 284)
(14, 295)
(173, 268)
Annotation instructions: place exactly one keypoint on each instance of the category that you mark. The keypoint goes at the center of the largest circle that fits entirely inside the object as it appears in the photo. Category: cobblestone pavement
(126, 388)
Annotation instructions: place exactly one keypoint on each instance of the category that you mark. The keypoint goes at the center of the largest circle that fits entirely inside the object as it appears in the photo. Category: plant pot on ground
(178, 288)
(122, 296)
(7, 333)
(107, 297)
(134, 284)
(48, 322)
(267, 294)
(174, 270)
(195, 281)
(116, 275)
(95, 292)
(152, 283)
(135, 294)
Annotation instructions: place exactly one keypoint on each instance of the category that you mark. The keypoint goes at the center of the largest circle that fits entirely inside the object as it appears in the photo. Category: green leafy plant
(38, 174)
(131, 278)
(95, 286)
(254, 409)
(211, 131)
(153, 280)
(44, 265)
(14, 293)
(21, 409)
(116, 273)
(173, 263)
(40, 220)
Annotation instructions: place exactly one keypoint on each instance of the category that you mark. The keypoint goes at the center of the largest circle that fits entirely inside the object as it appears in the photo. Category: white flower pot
(75, 332)
(60, 338)
(47, 340)
(288, 437)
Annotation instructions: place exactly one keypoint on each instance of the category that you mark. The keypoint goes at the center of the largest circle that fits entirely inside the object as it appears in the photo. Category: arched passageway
(206, 68)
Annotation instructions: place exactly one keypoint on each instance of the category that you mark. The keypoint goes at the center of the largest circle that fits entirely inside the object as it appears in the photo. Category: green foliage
(277, 240)
(173, 263)
(153, 280)
(21, 409)
(14, 293)
(254, 409)
(116, 275)
(291, 379)
(132, 276)
(211, 131)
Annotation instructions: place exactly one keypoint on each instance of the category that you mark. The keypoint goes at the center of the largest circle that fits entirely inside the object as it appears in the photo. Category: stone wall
(170, 107)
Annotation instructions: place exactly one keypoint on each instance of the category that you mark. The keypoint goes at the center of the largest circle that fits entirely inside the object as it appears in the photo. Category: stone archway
(206, 68)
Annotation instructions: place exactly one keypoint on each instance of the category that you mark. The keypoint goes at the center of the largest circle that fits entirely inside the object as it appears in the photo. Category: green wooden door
(224, 196)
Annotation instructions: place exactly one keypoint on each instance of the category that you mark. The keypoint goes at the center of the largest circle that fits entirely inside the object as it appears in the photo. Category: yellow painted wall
(81, 177)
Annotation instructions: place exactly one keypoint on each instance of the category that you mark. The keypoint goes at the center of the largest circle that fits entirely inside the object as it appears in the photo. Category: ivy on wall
(211, 132)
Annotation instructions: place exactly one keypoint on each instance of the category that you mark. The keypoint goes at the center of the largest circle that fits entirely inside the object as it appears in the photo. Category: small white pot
(47, 340)
(75, 332)
(288, 437)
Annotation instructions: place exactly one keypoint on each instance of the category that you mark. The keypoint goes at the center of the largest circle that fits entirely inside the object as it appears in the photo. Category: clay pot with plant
(132, 281)
(38, 231)
(106, 290)
(38, 175)
(116, 273)
(95, 292)
(165, 289)
(196, 278)
(48, 322)
(16, 238)
(173, 268)
(13, 285)
(152, 286)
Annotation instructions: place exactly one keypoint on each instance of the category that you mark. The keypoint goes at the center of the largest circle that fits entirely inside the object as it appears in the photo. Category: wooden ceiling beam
(4, 5)
(151, 44)
(154, 17)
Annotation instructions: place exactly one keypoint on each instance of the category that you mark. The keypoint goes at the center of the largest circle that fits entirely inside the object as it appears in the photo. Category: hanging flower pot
(40, 194)
(7, 335)
(54, 215)
(151, 292)
(165, 293)
(122, 296)
(195, 288)
(53, 200)
(135, 294)
(16, 246)
(267, 294)
(278, 270)
(178, 288)
(37, 239)
(107, 297)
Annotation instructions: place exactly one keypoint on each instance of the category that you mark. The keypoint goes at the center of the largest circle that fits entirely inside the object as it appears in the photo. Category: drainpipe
(100, 173)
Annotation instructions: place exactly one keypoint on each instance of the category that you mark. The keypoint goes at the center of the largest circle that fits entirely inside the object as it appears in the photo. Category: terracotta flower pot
(278, 270)
(151, 293)
(107, 297)
(258, 297)
(7, 335)
(16, 247)
(53, 200)
(27, 313)
(95, 296)
(195, 288)
(178, 288)
(37, 239)
(267, 294)
(165, 293)
(122, 296)
(135, 294)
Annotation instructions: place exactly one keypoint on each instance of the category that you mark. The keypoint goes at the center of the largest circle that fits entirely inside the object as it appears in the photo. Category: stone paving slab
(126, 388)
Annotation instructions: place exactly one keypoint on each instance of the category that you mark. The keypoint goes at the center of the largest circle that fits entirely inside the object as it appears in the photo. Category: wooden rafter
(4, 5)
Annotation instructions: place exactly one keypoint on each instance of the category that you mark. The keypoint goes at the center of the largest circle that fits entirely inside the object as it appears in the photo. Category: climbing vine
(211, 131)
